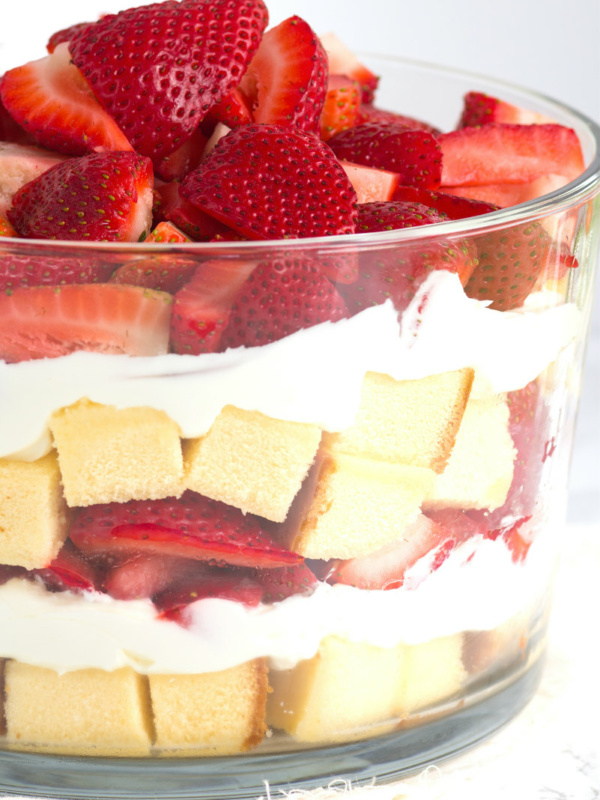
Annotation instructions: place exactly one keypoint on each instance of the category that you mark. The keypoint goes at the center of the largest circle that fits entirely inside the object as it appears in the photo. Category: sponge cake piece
(86, 712)
(251, 461)
(409, 422)
(33, 513)
(215, 713)
(114, 455)
(433, 671)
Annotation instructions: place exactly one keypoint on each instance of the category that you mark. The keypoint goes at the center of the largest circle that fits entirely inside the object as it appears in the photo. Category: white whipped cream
(477, 588)
(313, 376)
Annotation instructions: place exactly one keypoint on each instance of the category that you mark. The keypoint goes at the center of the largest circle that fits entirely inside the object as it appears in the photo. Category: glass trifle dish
(288, 379)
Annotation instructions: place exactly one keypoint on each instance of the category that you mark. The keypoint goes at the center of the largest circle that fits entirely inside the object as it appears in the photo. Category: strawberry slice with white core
(498, 153)
(192, 527)
(98, 197)
(371, 185)
(286, 82)
(53, 102)
(51, 321)
(342, 61)
(20, 164)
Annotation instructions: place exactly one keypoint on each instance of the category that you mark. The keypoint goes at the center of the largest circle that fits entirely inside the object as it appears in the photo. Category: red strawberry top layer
(99, 197)
(268, 182)
(190, 527)
(159, 69)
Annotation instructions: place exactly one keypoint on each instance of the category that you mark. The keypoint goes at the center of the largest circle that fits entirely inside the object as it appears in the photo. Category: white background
(552, 46)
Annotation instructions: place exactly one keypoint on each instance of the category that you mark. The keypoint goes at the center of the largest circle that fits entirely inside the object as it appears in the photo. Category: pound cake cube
(86, 712)
(33, 513)
(480, 467)
(432, 672)
(339, 694)
(409, 422)
(251, 461)
(114, 455)
(214, 713)
(353, 506)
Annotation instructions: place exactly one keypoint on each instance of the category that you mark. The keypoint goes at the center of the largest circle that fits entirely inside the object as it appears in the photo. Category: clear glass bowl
(452, 432)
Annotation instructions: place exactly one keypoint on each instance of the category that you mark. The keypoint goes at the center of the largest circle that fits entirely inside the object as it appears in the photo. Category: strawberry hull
(309, 486)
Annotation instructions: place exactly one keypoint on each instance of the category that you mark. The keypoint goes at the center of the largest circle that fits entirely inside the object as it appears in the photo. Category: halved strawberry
(53, 102)
(286, 81)
(69, 570)
(498, 153)
(268, 182)
(163, 273)
(341, 106)
(18, 271)
(482, 109)
(98, 197)
(369, 113)
(51, 321)
(20, 164)
(158, 69)
(167, 233)
(414, 154)
(371, 185)
(454, 207)
(182, 161)
(395, 273)
(281, 296)
(202, 308)
(342, 61)
(233, 111)
(504, 195)
(509, 263)
(65, 35)
(198, 225)
(191, 527)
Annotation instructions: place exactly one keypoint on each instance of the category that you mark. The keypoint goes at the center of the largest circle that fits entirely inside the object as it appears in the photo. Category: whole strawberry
(158, 69)
(268, 182)
(99, 197)
(414, 154)
(395, 273)
(510, 262)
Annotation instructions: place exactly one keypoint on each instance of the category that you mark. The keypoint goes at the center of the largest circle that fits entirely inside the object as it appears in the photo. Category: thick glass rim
(578, 192)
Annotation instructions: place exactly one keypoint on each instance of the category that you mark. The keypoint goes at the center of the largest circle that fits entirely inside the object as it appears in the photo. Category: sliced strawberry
(369, 113)
(414, 154)
(52, 101)
(168, 273)
(397, 273)
(342, 61)
(158, 69)
(7, 230)
(233, 111)
(454, 207)
(281, 296)
(277, 584)
(191, 527)
(69, 570)
(182, 161)
(65, 35)
(220, 130)
(497, 153)
(167, 233)
(504, 195)
(9, 130)
(268, 182)
(482, 109)
(286, 82)
(144, 575)
(371, 185)
(224, 584)
(18, 271)
(20, 164)
(202, 307)
(51, 321)
(98, 197)
(509, 263)
(8, 572)
(341, 106)
(198, 225)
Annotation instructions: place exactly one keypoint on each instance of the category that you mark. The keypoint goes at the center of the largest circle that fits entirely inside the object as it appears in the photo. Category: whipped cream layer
(477, 588)
(313, 376)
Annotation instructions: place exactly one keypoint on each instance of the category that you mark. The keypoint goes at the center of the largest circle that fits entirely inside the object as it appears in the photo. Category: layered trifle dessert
(275, 471)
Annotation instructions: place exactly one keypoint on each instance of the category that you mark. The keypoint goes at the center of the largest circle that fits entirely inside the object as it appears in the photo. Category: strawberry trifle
(287, 383)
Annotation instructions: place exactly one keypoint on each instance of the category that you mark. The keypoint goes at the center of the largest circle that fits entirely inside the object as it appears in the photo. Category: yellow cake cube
(215, 713)
(33, 513)
(86, 712)
(408, 422)
(114, 455)
(251, 461)
(432, 672)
